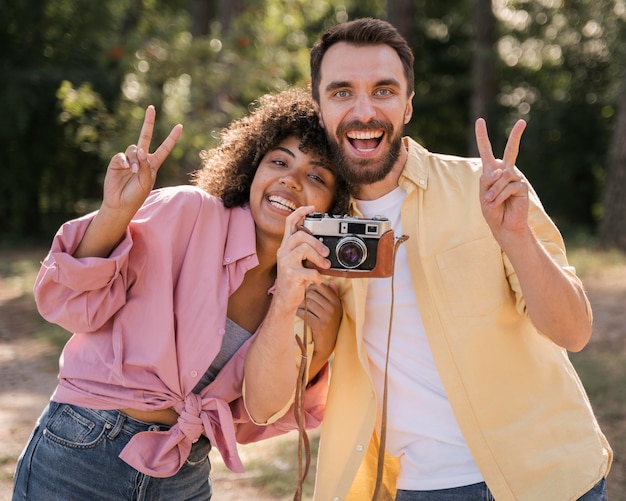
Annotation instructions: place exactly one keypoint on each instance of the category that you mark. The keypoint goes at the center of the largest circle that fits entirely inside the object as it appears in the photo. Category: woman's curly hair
(228, 170)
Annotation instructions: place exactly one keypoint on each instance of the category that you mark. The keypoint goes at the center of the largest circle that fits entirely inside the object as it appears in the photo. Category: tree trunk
(483, 73)
(612, 233)
(202, 12)
(400, 14)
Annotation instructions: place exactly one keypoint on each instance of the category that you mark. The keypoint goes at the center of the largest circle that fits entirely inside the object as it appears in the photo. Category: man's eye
(342, 93)
(384, 92)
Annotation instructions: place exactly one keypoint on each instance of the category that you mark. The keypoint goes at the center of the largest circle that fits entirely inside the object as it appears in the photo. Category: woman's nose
(290, 182)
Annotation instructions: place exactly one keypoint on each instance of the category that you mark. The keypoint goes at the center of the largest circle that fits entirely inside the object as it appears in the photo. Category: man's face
(364, 107)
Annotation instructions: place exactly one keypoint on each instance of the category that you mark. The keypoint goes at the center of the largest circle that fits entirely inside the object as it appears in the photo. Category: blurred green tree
(78, 76)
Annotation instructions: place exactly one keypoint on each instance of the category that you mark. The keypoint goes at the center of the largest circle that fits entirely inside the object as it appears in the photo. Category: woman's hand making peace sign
(131, 175)
(129, 179)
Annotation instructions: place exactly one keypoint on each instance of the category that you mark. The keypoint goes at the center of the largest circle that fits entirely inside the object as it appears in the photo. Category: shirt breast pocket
(474, 278)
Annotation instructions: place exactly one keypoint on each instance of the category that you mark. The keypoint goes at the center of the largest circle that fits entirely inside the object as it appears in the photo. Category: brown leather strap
(383, 421)
(304, 447)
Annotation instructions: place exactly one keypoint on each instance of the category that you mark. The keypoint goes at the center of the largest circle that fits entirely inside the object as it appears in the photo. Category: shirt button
(194, 373)
(359, 447)
(422, 182)
(227, 259)
(336, 498)
(221, 332)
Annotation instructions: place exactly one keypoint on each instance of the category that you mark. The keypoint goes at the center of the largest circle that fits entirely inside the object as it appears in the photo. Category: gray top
(234, 337)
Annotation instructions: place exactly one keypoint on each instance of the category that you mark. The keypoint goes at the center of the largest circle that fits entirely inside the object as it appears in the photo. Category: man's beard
(359, 171)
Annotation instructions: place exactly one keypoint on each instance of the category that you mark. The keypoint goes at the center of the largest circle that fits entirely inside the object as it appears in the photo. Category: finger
(304, 251)
(485, 149)
(294, 220)
(131, 156)
(512, 189)
(512, 145)
(324, 294)
(166, 147)
(144, 161)
(119, 161)
(145, 136)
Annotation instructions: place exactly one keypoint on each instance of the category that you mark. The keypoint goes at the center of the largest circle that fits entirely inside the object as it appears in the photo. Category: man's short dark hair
(365, 31)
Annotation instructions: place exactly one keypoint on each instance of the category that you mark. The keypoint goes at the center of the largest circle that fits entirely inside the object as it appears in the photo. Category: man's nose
(364, 109)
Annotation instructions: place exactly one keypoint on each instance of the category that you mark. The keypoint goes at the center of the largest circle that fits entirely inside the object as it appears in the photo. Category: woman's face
(287, 179)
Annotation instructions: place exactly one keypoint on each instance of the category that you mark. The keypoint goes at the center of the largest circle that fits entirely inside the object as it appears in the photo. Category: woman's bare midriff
(167, 417)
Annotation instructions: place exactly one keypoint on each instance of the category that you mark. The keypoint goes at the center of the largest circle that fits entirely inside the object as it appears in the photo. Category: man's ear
(408, 112)
(318, 112)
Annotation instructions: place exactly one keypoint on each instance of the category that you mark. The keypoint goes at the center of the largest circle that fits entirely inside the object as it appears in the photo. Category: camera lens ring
(351, 252)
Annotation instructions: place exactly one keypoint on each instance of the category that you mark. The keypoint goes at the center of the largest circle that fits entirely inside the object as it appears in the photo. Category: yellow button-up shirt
(519, 402)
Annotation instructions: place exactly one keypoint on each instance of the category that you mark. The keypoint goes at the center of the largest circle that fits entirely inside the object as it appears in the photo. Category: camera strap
(381, 493)
(304, 447)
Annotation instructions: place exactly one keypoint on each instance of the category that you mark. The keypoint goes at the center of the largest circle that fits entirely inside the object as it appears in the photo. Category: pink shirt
(149, 320)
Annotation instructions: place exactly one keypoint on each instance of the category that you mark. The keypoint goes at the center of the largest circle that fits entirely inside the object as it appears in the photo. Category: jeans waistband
(118, 421)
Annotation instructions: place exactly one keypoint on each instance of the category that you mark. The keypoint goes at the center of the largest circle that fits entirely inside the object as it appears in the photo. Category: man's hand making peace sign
(555, 301)
(503, 189)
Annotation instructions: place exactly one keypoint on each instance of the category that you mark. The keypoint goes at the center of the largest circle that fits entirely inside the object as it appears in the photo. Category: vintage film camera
(359, 247)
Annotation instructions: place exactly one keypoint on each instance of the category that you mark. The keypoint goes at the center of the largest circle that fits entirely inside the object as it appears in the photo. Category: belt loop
(119, 423)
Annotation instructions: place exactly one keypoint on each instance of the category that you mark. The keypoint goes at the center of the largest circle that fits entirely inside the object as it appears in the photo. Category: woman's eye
(318, 179)
(280, 163)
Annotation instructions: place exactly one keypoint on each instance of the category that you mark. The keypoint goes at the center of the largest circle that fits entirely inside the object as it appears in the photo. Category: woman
(165, 290)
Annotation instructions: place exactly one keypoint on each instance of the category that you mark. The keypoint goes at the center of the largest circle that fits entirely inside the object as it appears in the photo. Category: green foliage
(557, 73)
(442, 46)
(79, 75)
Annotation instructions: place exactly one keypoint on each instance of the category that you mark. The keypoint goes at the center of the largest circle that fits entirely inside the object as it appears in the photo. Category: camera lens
(351, 252)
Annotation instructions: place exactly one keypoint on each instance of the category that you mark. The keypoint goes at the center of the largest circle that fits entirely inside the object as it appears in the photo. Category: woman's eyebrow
(286, 150)
(316, 163)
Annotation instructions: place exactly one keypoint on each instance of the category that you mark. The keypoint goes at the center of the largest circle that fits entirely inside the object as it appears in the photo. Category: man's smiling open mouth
(365, 141)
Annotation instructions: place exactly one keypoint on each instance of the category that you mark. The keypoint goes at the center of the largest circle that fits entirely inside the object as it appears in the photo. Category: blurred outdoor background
(77, 75)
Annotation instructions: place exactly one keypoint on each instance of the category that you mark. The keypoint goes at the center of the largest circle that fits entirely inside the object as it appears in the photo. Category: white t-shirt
(421, 427)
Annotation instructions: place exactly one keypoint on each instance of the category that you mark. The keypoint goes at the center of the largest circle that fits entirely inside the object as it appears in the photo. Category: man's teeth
(367, 134)
(282, 203)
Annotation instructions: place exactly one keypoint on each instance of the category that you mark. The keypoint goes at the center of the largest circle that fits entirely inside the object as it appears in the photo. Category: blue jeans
(480, 492)
(72, 455)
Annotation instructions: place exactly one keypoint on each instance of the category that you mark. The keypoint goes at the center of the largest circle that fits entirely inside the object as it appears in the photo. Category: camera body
(359, 247)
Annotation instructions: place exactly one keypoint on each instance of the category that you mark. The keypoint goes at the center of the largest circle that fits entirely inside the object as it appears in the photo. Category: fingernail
(134, 168)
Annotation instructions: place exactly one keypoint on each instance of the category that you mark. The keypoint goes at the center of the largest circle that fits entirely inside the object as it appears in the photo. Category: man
(482, 398)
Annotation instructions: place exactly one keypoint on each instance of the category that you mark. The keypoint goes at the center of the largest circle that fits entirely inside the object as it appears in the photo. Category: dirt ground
(28, 371)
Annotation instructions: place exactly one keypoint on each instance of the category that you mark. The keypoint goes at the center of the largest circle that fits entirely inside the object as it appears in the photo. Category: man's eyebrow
(388, 82)
(337, 85)
(341, 84)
